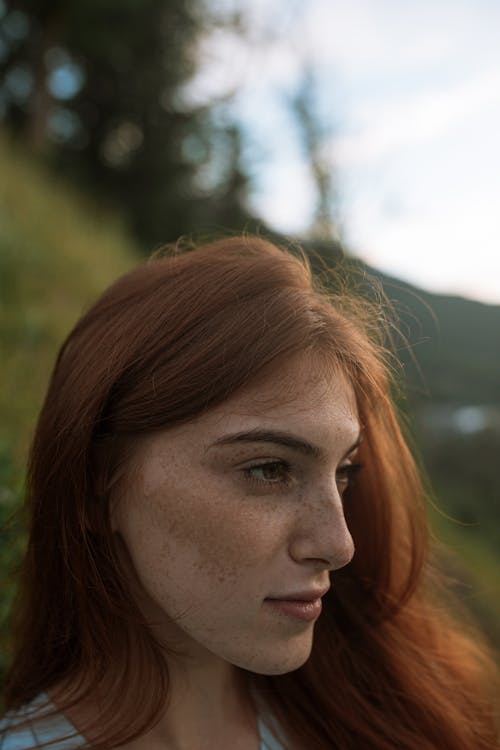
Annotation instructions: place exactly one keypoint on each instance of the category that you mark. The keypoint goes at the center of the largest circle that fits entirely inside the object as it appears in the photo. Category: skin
(211, 525)
(215, 525)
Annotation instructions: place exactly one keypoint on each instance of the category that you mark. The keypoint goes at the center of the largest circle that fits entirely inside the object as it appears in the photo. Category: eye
(269, 472)
(346, 476)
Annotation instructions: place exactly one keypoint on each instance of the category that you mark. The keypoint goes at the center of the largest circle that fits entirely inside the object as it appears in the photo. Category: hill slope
(57, 252)
(456, 342)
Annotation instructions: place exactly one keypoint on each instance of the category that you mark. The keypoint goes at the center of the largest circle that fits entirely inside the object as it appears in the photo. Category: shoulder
(29, 726)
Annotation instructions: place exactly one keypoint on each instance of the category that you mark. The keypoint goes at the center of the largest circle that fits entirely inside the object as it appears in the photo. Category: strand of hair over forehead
(343, 283)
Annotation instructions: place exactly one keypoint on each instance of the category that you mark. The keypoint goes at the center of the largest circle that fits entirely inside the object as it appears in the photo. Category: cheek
(180, 534)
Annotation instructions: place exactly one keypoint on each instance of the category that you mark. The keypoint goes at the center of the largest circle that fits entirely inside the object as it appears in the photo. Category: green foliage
(57, 252)
(123, 126)
(12, 541)
(473, 563)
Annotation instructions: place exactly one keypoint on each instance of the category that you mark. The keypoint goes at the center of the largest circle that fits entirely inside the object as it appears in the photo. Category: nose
(321, 534)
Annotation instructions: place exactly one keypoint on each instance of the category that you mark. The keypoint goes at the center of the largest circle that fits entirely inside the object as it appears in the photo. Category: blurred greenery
(98, 87)
(57, 252)
(451, 362)
(12, 541)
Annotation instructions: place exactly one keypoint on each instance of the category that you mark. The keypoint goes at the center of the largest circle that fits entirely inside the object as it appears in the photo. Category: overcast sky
(410, 94)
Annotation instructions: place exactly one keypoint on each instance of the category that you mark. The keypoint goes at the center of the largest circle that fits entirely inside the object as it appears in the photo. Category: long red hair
(390, 668)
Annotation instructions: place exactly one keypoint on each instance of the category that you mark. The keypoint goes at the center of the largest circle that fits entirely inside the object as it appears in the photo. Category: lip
(299, 609)
(301, 605)
(301, 596)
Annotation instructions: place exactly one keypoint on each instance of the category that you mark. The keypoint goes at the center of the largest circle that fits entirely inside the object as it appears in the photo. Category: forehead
(315, 402)
(296, 382)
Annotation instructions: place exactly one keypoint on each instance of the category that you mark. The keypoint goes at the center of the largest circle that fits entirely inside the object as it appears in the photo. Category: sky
(409, 97)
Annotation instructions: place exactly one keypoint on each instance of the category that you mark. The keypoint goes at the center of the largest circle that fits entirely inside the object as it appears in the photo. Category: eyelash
(347, 474)
(282, 484)
(350, 472)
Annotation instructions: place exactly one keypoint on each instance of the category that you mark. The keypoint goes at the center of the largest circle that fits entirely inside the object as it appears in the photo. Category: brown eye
(270, 472)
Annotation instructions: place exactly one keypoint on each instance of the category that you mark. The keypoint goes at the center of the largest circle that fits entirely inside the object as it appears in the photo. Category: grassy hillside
(456, 342)
(57, 253)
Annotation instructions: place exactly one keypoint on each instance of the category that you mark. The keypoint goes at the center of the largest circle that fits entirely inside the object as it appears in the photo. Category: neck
(209, 702)
(208, 699)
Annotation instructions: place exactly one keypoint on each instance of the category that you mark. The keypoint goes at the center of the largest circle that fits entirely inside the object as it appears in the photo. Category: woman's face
(240, 506)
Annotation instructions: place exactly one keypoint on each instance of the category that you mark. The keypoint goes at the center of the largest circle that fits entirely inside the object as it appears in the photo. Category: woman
(228, 539)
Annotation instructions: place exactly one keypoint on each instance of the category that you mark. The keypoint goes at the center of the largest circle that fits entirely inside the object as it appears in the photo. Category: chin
(282, 661)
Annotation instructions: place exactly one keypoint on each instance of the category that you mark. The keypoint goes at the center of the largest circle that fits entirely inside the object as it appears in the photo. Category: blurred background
(361, 129)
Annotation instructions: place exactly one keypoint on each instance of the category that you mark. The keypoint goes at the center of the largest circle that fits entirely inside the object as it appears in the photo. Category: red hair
(390, 669)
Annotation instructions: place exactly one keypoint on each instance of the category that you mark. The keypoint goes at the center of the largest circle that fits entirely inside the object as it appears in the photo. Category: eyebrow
(280, 438)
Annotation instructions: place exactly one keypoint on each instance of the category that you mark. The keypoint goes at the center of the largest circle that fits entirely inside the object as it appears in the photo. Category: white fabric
(42, 729)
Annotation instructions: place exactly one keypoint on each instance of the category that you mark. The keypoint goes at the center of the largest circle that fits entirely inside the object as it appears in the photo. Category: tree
(313, 133)
(96, 87)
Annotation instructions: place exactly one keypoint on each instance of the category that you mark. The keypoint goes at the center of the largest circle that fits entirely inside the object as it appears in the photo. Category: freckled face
(240, 505)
